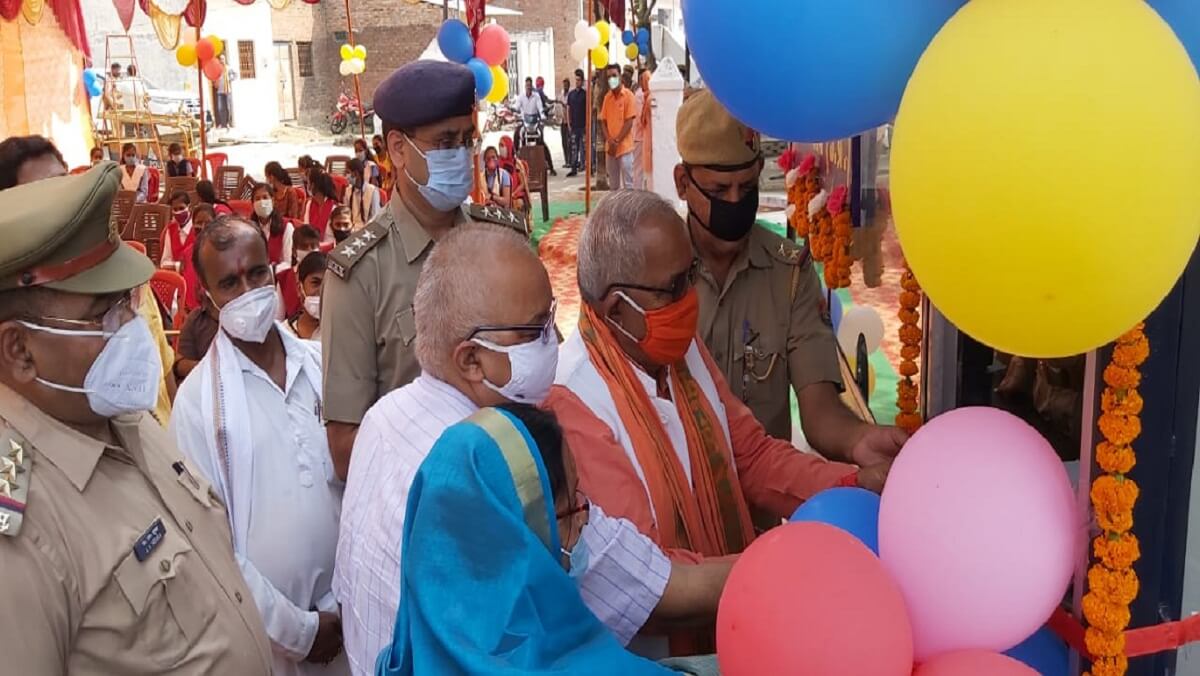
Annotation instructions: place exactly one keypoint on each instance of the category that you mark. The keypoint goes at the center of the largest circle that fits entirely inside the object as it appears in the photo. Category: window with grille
(245, 59)
(304, 60)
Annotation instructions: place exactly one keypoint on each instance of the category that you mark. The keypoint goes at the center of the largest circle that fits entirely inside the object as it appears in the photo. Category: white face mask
(264, 207)
(125, 376)
(250, 316)
(312, 305)
(532, 367)
(301, 255)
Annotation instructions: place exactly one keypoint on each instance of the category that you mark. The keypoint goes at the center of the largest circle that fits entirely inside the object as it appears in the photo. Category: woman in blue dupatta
(484, 585)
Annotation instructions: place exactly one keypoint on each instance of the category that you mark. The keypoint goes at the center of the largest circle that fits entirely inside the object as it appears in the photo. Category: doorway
(285, 85)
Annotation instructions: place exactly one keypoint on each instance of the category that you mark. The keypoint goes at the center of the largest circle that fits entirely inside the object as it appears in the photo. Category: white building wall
(255, 100)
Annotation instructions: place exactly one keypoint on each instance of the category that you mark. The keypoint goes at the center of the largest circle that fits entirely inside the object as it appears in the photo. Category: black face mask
(339, 235)
(728, 221)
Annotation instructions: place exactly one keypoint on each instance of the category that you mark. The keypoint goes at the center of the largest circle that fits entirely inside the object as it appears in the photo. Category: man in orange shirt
(618, 114)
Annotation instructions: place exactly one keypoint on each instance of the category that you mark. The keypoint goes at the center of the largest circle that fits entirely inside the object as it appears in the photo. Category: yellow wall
(41, 87)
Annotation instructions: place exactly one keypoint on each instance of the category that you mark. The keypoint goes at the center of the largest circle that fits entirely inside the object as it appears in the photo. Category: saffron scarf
(710, 516)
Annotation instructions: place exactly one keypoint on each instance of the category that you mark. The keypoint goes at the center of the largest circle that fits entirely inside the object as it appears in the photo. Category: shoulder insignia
(498, 215)
(15, 465)
(343, 256)
(790, 253)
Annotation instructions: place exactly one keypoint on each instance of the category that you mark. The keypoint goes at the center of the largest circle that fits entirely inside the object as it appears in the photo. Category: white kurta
(295, 508)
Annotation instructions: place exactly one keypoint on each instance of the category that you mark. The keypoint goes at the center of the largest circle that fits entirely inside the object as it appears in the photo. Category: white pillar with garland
(667, 87)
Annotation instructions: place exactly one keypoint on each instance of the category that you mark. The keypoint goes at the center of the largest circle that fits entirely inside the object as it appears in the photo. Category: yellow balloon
(347, 52)
(631, 51)
(360, 52)
(499, 90)
(600, 56)
(1044, 170)
(218, 45)
(186, 55)
(605, 31)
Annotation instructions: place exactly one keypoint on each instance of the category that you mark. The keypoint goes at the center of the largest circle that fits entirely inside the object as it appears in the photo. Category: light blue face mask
(450, 179)
(579, 558)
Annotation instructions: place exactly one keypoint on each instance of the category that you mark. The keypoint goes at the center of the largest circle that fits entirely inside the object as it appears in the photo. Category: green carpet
(557, 211)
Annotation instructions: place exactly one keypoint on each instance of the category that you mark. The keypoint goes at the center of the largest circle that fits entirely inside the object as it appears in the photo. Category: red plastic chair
(215, 162)
(340, 184)
(170, 289)
(134, 244)
(242, 208)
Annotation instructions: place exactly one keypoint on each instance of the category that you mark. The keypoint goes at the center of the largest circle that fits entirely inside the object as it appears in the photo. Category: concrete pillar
(666, 86)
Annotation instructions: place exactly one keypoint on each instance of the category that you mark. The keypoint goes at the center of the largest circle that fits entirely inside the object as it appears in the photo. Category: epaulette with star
(15, 465)
(499, 215)
(791, 253)
(342, 257)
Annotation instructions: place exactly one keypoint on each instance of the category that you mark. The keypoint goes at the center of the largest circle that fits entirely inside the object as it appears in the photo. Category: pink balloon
(979, 528)
(493, 44)
(808, 599)
(213, 70)
(975, 663)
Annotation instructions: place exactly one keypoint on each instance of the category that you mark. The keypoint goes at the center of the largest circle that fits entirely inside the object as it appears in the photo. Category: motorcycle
(502, 118)
(347, 112)
(530, 131)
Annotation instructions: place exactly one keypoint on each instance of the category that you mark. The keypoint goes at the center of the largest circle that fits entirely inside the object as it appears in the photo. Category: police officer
(114, 556)
(761, 311)
(367, 329)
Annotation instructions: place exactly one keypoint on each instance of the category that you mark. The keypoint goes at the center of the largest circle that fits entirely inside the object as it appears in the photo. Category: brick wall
(394, 32)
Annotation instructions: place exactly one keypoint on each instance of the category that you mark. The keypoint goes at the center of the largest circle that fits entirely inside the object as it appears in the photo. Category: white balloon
(592, 39)
(579, 51)
(864, 320)
(357, 66)
(581, 30)
(344, 69)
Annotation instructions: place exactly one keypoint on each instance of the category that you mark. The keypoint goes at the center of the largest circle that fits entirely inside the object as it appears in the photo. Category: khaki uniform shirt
(367, 326)
(76, 598)
(768, 328)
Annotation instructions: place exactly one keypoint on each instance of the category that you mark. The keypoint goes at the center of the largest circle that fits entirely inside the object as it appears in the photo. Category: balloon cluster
(205, 52)
(637, 43)
(591, 42)
(931, 574)
(354, 59)
(975, 143)
(485, 56)
(93, 81)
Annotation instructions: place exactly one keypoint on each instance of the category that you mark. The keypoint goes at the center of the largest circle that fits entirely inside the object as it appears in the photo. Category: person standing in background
(576, 122)
(618, 112)
(641, 133)
(224, 89)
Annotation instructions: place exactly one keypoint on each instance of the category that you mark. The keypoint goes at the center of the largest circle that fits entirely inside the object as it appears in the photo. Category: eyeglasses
(581, 504)
(676, 288)
(544, 330)
(109, 323)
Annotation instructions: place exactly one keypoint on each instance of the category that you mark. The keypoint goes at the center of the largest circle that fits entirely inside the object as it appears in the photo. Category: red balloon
(205, 50)
(213, 69)
(808, 599)
(975, 663)
(493, 44)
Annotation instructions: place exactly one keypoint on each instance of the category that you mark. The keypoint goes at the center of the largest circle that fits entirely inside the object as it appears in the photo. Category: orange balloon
(205, 50)
(213, 70)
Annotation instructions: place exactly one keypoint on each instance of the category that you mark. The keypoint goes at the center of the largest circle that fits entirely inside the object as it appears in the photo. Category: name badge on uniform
(149, 541)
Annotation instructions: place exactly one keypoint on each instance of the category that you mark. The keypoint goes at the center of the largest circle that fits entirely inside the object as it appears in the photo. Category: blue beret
(424, 92)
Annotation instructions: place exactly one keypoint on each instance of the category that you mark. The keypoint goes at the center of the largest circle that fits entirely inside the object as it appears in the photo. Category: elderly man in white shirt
(484, 322)
(250, 419)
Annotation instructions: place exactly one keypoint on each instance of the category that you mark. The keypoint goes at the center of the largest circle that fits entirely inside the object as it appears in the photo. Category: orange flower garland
(907, 391)
(1112, 582)
(801, 192)
(837, 264)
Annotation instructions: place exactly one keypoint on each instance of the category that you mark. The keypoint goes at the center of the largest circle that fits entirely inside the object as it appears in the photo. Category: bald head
(477, 275)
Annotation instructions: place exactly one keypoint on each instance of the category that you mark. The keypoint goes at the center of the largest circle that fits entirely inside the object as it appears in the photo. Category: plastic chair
(228, 182)
(146, 224)
(337, 164)
(340, 183)
(297, 176)
(215, 162)
(170, 288)
(176, 184)
(535, 159)
(122, 207)
(134, 244)
(243, 208)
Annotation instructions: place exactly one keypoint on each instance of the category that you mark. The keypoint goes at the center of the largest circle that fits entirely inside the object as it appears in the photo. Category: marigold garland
(800, 193)
(1112, 582)
(837, 261)
(907, 391)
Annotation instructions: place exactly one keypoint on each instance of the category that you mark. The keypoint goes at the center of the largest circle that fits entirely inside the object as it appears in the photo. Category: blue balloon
(643, 34)
(483, 76)
(1184, 17)
(454, 39)
(91, 82)
(628, 38)
(743, 54)
(1045, 652)
(854, 510)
